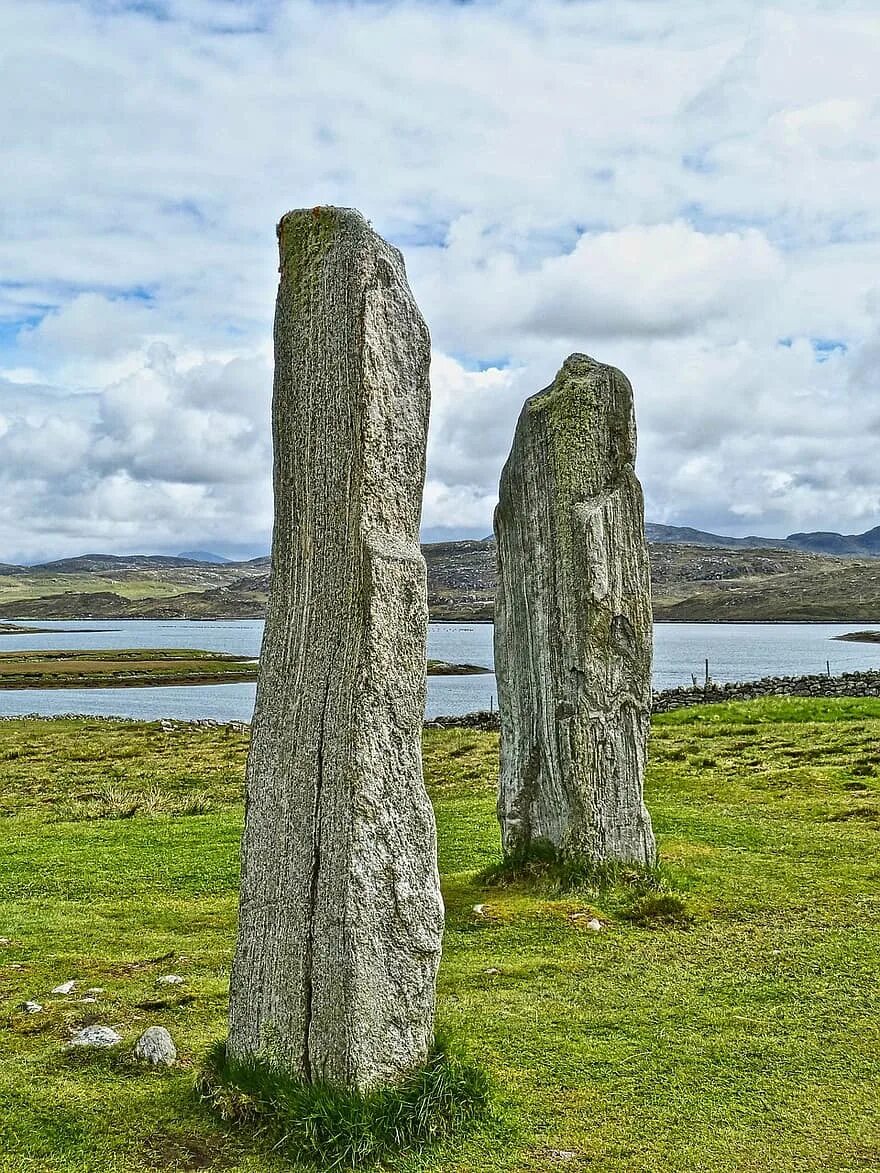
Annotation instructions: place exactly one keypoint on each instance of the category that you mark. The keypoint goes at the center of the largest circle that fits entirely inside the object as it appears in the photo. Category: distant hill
(204, 556)
(708, 578)
(866, 545)
(683, 535)
(96, 563)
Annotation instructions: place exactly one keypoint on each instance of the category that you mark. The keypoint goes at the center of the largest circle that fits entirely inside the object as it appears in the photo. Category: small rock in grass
(156, 1047)
(5, 941)
(169, 979)
(97, 1037)
(595, 925)
(480, 909)
(64, 988)
(493, 970)
(96, 990)
(87, 999)
(32, 1008)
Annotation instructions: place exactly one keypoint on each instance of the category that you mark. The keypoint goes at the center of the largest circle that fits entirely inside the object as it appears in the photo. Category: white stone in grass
(96, 990)
(156, 1047)
(64, 988)
(595, 925)
(169, 979)
(480, 909)
(32, 1008)
(87, 999)
(96, 1037)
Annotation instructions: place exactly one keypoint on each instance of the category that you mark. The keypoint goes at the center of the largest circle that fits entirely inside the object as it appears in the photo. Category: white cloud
(686, 190)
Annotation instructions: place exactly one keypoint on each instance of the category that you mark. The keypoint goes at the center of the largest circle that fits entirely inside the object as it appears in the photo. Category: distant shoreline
(149, 668)
(446, 619)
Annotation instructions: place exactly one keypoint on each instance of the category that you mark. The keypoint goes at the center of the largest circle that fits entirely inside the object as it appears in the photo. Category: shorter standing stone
(573, 624)
(97, 1037)
(156, 1047)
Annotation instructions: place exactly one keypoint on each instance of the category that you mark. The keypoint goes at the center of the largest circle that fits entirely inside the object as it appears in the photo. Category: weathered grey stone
(95, 1036)
(341, 919)
(64, 988)
(156, 1047)
(573, 623)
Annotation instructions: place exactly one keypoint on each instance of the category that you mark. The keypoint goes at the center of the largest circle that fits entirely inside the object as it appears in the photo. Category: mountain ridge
(864, 545)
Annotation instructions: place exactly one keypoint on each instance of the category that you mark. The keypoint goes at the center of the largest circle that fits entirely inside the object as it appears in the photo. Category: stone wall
(854, 684)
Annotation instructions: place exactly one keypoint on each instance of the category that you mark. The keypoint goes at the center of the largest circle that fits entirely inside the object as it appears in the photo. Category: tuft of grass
(556, 873)
(633, 893)
(337, 1127)
(115, 802)
(656, 911)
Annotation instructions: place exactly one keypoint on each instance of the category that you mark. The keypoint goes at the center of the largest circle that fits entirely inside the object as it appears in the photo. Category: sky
(688, 191)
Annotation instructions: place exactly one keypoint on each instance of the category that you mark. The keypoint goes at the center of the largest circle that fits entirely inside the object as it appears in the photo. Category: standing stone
(573, 624)
(341, 919)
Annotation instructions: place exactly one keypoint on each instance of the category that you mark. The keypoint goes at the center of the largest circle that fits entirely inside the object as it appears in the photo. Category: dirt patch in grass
(187, 1150)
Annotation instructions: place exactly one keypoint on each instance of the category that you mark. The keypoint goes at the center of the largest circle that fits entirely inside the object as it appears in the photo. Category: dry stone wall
(850, 684)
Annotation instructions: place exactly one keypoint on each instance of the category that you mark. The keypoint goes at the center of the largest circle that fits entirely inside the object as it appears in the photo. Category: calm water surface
(735, 652)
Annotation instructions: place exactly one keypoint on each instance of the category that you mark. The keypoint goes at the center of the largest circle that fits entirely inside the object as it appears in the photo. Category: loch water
(742, 651)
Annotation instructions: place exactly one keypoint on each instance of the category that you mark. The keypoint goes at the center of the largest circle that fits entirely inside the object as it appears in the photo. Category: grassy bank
(147, 668)
(746, 1041)
(127, 668)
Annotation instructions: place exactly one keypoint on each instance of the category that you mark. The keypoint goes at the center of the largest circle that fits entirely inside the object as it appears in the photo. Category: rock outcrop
(573, 624)
(156, 1048)
(341, 917)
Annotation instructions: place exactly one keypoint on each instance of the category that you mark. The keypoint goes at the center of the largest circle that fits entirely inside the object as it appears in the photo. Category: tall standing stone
(573, 624)
(340, 918)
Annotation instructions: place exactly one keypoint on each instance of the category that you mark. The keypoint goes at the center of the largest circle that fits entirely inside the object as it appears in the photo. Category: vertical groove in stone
(573, 623)
(340, 918)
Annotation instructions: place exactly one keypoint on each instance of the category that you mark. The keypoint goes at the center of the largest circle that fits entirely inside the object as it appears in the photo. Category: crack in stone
(308, 960)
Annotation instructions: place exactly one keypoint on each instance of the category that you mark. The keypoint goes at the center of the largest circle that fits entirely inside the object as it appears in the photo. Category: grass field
(147, 667)
(21, 587)
(125, 668)
(747, 1040)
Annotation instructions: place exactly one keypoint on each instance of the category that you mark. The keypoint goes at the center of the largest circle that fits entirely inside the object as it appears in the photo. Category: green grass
(147, 667)
(724, 1018)
(23, 587)
(338, 1127)
(121, 668)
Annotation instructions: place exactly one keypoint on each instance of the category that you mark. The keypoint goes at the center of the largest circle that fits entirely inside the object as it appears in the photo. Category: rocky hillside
(692, 582)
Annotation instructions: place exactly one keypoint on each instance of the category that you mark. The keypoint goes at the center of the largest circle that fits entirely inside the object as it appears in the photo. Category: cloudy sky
(688, 190)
